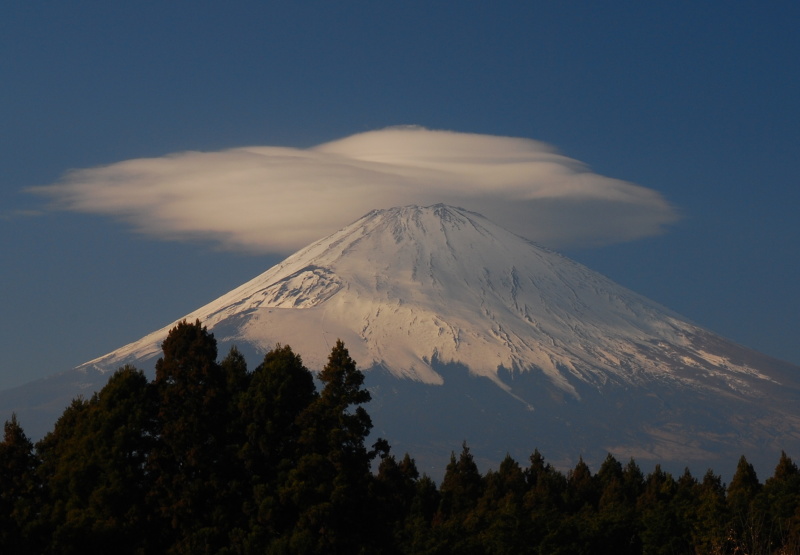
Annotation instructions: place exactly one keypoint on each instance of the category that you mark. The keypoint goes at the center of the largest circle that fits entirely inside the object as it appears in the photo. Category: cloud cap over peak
(277, 199)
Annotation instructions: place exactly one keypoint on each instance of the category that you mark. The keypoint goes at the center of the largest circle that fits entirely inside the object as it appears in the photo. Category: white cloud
(274, 199)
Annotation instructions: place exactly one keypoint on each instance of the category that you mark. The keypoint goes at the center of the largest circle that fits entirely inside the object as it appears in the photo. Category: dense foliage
(212, 458)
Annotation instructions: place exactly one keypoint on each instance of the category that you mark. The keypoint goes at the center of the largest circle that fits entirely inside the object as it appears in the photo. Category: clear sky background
(695, 101)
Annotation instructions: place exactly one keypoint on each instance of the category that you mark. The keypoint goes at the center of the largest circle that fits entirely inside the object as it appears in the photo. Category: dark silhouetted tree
(330, 482)
(500, 512)
(747, 518)
(193, 462)
(544, 499)
(662, 530)
(95, 462)
(456, 520)
(616, 512)
(710, 529)
(781, 495)
(279, 391)
(19, 492)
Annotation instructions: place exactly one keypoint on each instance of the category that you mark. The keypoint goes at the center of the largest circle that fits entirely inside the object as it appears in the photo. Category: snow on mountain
(407, 286)
(469, 332)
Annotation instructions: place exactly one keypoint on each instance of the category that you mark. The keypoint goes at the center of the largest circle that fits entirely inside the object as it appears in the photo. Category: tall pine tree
(19, 491)
(280, 390)
(193, 462)
(331, 480)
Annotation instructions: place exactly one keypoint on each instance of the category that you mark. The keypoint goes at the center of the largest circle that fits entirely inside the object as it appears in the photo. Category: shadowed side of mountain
(39, 404)
(676, 426)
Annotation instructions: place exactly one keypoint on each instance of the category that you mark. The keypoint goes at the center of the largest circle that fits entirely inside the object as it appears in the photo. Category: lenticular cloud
(275, 199)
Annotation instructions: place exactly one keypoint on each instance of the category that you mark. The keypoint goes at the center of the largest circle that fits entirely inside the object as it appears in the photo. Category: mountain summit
(469, 332)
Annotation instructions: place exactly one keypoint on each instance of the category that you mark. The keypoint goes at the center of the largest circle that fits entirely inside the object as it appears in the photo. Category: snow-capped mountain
(469, 332)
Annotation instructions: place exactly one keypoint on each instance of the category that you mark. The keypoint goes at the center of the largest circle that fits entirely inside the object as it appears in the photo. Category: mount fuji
(468, 332)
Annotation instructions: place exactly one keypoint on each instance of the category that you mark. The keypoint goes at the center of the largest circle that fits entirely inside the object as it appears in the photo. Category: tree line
(210, 457)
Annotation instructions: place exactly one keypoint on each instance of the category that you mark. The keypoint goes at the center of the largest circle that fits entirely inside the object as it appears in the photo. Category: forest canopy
(210, 457)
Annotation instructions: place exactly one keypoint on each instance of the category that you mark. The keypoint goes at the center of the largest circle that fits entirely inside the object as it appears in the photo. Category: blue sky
(697, 103)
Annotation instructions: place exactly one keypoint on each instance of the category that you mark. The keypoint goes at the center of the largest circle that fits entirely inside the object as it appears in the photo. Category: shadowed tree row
(210, 457)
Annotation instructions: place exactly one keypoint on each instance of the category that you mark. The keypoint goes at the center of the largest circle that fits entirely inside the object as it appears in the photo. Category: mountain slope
(409, 285)
(472, 333)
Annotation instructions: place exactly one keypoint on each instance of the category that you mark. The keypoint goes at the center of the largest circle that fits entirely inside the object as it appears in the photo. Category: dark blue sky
(697, 102)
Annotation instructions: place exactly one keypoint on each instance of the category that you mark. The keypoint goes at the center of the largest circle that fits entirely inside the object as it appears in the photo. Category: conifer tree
(280, 389)
(711, 526)
(392, 493)
(418, 536)
(234, 368)
(747, 518)
(192, 463)
(64, 484)
(582, 487)
(578, 529)
(457, 519)
(330, 482)
(94, 465)
(781, 494)
(544, 499)
(663, 530)
(19, 491)
(461, 486)
(616, 515)
(341, 399)
(500, 511)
